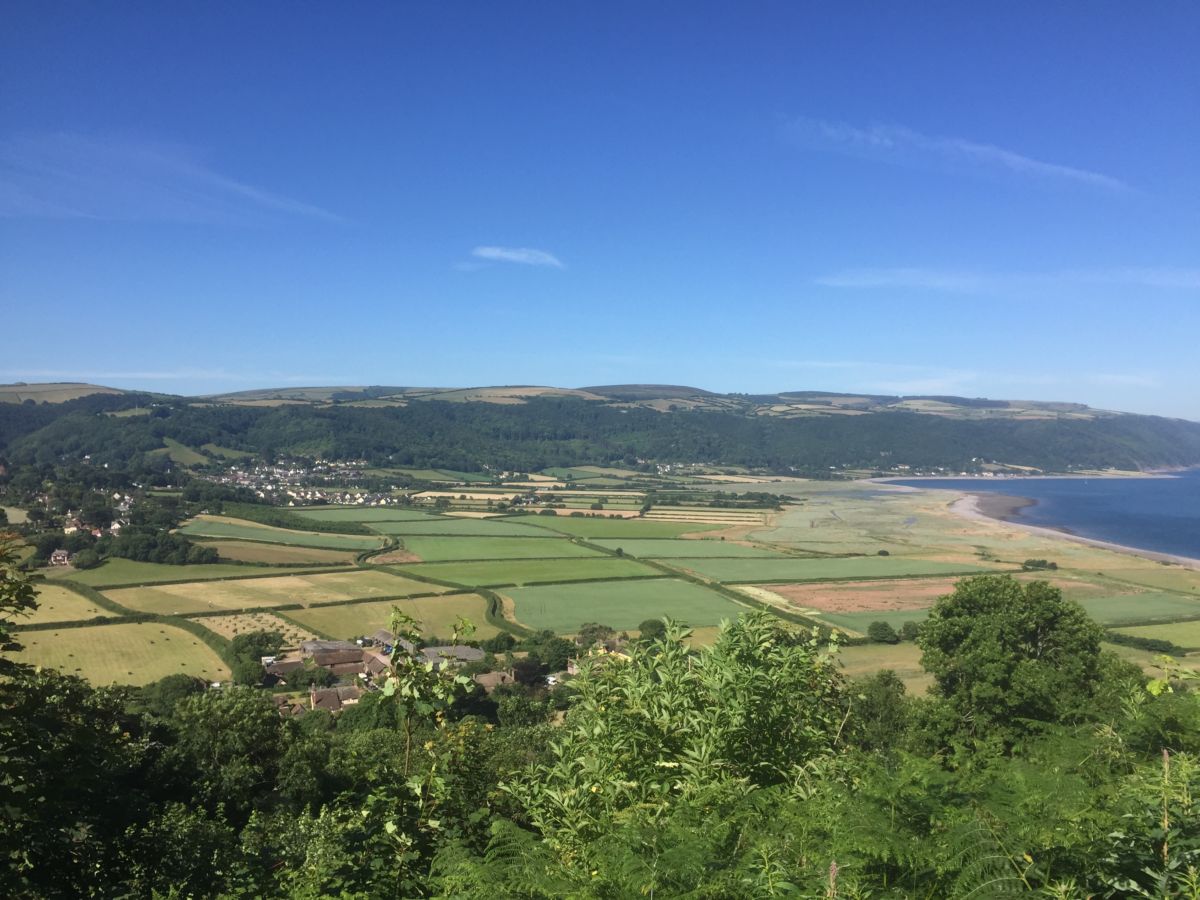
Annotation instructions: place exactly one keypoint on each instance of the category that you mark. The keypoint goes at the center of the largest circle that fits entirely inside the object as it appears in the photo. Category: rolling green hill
(531, 428)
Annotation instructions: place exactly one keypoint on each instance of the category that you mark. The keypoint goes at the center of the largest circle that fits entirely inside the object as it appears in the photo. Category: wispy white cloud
(923, 279)
(896, 144)
(966, 282)
(73, 176)
(526, 256)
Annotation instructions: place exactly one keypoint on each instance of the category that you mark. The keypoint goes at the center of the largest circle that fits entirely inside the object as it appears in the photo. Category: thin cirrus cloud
(73, 176)
(968, 282)
(904, 146)
(525, 256)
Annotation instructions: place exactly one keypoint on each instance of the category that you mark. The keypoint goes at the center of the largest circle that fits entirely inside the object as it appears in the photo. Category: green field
(1171, 578)
(1148, 607)
(688, 549)
(364, 514)
(60, 604)
(180, 453)
(587, 527)
(444, 475)
(123, 654)
(249, 593)
(1185, 634)
(436, 549)
(623, 605)
(481, 574)
(858, 622)
(248, 531)
(437, 616)
(279, 554)
(789, 570)
(127, 571)
(452, 526)
(217, 450)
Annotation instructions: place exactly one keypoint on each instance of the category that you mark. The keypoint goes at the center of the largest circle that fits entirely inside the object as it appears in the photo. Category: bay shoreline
(1005, 508)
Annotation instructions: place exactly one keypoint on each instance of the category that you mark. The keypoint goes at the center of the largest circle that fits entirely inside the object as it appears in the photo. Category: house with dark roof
(334, 699)
(451, 654)
(489, 681)
(289, 705)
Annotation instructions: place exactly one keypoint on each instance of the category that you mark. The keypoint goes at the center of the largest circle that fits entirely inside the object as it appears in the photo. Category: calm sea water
(1158, 514)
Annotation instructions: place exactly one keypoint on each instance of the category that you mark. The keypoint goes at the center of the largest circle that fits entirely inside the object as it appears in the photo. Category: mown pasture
(443, 475)
(14, 515)
(230, 627)
(820, 569)
(904, 659)
(117, 571)
(249, 593)
(1148, 606)
(444, 525)
(1183, 634)
(437, 616)
(623, 605)
(279, 554)
(437, 549)
(60, 604)
(363, 514)
(665, 548)
(856, 623)
(530, 571)
(214, 527)
(180, 453)
(595, 527)
(123, 654)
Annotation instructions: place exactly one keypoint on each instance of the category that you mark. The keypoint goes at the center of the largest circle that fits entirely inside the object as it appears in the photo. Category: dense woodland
(566, 431)
(1039, 766)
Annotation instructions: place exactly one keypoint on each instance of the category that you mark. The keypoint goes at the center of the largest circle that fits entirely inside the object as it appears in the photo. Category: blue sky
(996, 200)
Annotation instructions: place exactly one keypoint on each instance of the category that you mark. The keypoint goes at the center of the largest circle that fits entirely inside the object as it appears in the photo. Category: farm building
(290, 705)
(333, 699)
(60, 558)
(489, 681)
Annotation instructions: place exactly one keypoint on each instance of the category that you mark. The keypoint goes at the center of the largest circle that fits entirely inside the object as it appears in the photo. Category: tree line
(548, 432)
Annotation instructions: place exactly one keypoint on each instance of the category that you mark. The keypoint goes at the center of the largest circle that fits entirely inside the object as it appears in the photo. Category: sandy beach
(1002, 507)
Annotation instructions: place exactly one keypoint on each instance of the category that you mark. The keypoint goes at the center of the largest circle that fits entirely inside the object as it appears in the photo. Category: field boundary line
(90, 593)
(138, 584)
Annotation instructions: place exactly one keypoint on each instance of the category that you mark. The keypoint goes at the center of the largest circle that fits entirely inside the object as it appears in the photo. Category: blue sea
(1157, 514)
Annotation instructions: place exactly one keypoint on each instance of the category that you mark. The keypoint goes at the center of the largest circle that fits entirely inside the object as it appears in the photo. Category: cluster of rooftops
(367, 659)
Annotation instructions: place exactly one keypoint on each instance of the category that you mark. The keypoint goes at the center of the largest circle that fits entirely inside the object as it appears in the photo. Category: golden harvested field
(248, 593)
(123, 654)
(59, 604)
(904, 659)
(230, 627)
(15, 516)
(893, 594)
(437, 616)
(53, 392)
(279, 554)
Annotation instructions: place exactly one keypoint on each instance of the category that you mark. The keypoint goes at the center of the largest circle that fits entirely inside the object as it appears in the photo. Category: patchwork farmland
(837, 558)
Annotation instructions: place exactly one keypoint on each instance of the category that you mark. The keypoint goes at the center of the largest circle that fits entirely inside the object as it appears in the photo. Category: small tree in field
(882, 633)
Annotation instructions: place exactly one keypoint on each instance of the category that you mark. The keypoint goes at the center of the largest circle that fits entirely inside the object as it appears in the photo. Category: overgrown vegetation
(1040, 765)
